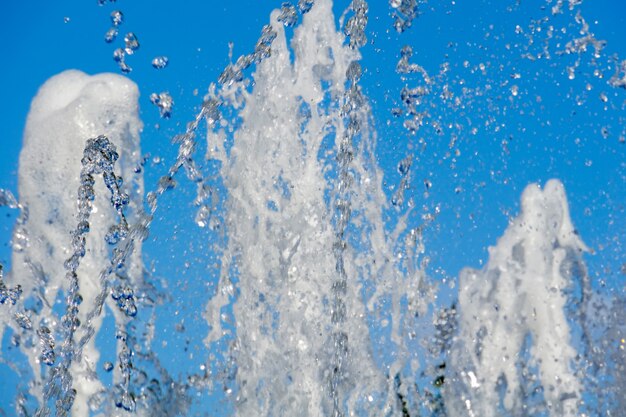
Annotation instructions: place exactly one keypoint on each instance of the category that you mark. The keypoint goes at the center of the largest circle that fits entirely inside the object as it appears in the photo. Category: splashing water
(520, 294)
(314, 293)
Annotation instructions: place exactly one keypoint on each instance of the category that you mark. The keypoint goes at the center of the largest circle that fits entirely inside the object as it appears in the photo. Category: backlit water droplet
(131, 43)
(110, 35)
(117, 18)
(164, 102)
(160, 62)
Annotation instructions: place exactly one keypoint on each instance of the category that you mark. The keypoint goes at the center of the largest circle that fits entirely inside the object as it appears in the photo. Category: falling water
(520, 294)
(321, 300)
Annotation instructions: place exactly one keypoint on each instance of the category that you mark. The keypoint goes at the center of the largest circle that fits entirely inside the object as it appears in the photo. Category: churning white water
(321, 306)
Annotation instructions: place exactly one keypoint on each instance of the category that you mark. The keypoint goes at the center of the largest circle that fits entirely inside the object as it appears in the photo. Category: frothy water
(319, 299)
(521, 294)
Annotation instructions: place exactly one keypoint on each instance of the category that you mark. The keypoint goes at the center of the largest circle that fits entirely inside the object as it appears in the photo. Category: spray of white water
(520, 298)
(68, 109)
(302, 341)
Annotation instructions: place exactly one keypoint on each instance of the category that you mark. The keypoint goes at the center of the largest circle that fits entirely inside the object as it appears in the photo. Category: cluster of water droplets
(164, 102)
(131, 44)
(160, 62)
(9, 295)
(117, 18)
(619, 78)
(99, 158)
(405, 11)
(356, 24)
(413, 97)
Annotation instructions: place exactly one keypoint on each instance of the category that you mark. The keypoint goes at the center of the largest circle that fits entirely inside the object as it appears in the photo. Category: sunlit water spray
(521, 294)
(60, 252)
(322, 305)
(304, 243)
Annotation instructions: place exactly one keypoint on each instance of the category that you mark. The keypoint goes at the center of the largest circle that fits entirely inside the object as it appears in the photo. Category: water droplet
(119, 200)
(405, 165)
(117, 18)
(116, 233)
(355, 26)
(160, 62)
(99, 156)
(125, 298)
(202, 216)
(107, 366)
(125, 400)
(110, 36)
(262, 49)
(404, 14)
(167, 183)
(118, 55)
(571, 73)
(125, 68)
(7, 199)
(605, 132)
(164, 102)
(82, 227)
(131, 43)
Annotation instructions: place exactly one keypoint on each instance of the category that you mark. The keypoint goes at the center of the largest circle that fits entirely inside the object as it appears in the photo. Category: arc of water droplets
(99, 157)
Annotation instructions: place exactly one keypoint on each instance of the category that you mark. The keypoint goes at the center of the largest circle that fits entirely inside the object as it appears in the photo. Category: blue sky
(554, 138)
(554, 127)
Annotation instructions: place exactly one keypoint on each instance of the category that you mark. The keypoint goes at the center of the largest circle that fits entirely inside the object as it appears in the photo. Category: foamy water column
(512, 321)
(305, 231)
(69, 109)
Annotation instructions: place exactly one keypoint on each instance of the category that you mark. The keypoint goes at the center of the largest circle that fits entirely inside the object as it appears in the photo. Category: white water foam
(293, 355)
(68, 109)
(521, 293)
